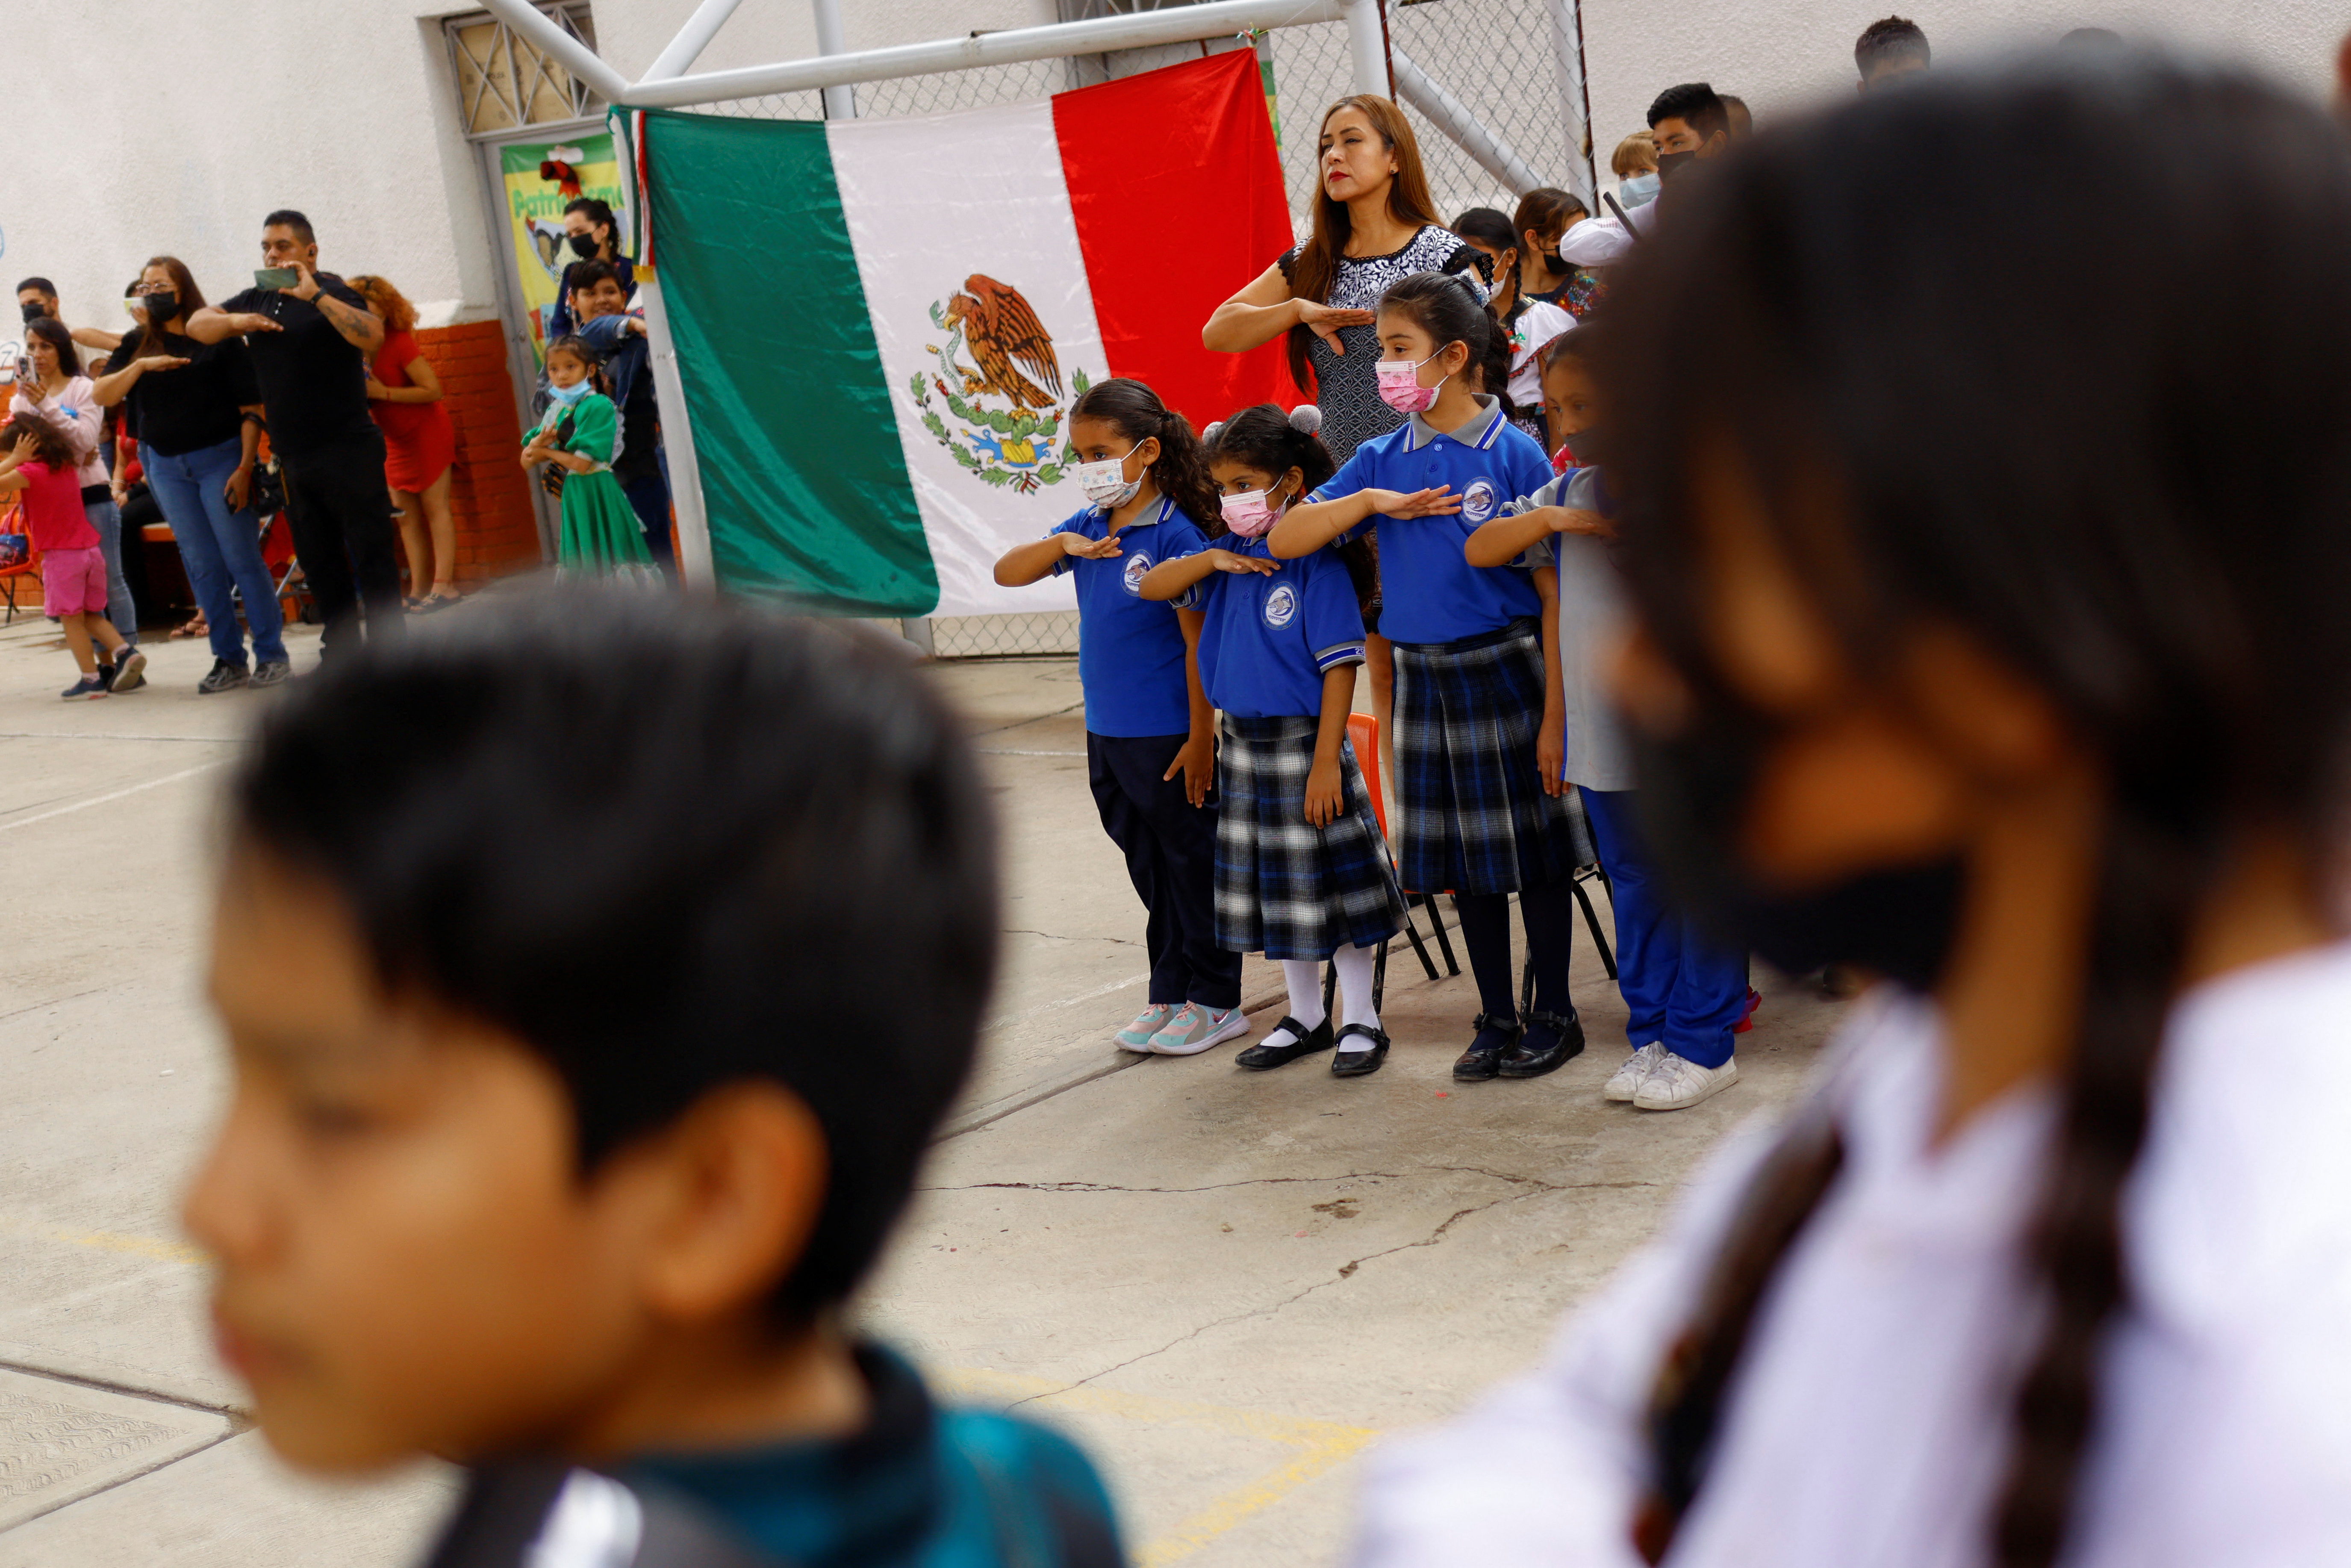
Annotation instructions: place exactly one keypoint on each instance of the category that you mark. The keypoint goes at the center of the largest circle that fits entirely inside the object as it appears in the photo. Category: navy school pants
(1170, 846)
(1678, 986)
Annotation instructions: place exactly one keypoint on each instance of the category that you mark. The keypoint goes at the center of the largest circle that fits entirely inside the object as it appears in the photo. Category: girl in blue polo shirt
(1302, 872)
(1478, 815)
(1150, 500)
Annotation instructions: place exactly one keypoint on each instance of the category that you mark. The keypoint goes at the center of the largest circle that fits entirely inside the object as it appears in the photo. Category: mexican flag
(882, 324)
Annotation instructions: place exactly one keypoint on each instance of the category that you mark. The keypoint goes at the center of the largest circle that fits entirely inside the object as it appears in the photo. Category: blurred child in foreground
(642, 946)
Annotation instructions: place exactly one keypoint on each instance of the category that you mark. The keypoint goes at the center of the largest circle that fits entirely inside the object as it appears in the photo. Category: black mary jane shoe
(1533, 1058)
(1305, 1041)
(1496, 1039)
(1358, 1064)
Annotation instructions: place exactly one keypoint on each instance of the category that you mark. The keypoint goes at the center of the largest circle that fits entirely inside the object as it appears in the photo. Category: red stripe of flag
(1176, 186)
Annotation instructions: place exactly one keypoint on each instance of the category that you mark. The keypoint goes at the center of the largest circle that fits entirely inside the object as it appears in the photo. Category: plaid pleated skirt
(1474, 817)
(1285, 887)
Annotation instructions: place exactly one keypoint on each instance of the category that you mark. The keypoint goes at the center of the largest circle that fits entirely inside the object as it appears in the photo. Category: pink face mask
(1251, 513)
(1400, 386)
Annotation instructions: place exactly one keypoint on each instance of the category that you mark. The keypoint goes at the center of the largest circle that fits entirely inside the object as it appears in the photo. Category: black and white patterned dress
(1346, 388)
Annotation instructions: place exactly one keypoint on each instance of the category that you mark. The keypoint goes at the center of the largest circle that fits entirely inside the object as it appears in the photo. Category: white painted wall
(345, 109)
(1781, 55)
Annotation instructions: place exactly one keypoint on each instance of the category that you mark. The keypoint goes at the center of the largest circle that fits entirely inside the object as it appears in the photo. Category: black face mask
(161, 308)
(1696, 789)
(1671, 164)
(32, 309)
(584, 246)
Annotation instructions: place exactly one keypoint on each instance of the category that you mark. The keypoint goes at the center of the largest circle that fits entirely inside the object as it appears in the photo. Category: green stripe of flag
(777, 351)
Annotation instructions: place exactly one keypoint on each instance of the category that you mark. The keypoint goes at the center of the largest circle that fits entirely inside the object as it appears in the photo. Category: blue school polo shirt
(1269, 641)
(1130, 648)
(1429, 590)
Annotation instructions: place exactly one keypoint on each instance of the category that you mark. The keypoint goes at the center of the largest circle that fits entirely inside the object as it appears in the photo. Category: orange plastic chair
(1364, 733)
(25, 568)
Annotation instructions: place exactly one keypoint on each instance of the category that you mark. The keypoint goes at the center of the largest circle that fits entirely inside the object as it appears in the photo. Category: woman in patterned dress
(1374, 223)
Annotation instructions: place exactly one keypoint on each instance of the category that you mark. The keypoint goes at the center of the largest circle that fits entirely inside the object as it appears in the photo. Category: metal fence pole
(839, 102)
(1575, 100)
(1367, 48)
(695, 564)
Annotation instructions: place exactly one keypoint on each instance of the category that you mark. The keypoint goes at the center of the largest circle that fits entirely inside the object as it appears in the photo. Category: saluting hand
(1103, 548)
(1324, 321)
(1435, 503)
(1241, 565)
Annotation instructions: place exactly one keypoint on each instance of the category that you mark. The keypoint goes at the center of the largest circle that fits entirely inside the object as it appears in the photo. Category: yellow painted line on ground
(105, 1240)
(1322, 1445)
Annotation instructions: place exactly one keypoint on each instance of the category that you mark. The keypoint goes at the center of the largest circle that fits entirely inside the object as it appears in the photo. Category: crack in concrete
(1346, 1272)
(1019, 723)
(1270, 1181)
(1058, 936)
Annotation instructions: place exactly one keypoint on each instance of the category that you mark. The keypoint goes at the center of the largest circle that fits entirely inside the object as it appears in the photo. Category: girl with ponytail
(2009, 657)
(1151, 754)
(1278, 650)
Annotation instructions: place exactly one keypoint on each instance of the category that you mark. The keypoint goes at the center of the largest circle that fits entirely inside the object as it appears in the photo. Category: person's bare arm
(238, 486)
(1033, 562)
(1324, 797)
(1506, 538)
(1551, 738)
(1265, 311)
(93, 338)
(363, 329)
(214, 325)
(1196, 757)
(1308, 525)
(115, 385)
(1174, 578)
(424, 384)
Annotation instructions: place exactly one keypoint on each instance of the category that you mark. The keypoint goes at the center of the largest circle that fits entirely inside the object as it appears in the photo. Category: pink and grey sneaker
(1195, 1028)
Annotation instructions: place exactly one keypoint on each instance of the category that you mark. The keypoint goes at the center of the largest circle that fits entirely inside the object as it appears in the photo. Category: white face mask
(1105, 482)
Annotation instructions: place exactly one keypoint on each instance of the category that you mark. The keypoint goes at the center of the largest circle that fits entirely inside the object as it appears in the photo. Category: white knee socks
(1304, 978)
(1354, 966)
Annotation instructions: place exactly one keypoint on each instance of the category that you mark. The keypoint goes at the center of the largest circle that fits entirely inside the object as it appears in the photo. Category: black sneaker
(224, 677)
(130, 672)
(272, 673)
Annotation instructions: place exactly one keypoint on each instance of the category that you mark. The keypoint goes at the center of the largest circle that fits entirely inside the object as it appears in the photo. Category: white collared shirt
(1870, 1419)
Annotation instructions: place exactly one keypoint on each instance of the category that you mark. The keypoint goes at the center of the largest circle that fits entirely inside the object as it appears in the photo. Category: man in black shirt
(311, 341)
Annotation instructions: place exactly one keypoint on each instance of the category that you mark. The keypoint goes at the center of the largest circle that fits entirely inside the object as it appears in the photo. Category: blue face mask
(1639, 191)
(570, 394)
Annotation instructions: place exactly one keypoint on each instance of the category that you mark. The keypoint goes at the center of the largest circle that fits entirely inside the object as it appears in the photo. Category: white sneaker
(1677, 1084)
(1136, 1036)
(1627, 1079)
(1195, 1028)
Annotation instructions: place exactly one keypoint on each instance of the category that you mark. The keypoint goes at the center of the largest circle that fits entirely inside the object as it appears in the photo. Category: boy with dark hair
(1686, 123)
(1888, 49)
(642, 945)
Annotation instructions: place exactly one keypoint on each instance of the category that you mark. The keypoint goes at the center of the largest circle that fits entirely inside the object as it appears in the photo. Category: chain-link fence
(1494, 60)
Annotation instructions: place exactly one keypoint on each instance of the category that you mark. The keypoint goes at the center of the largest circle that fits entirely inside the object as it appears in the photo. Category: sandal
(191, 630)
(433, 601)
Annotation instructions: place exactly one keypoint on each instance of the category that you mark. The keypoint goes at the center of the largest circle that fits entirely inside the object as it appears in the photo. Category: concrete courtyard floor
(1226, 1284)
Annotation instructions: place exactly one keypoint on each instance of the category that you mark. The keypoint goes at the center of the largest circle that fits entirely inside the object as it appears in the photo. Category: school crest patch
(1137, 563)
(1479, 501)
(1281, 606)
(1003, 411)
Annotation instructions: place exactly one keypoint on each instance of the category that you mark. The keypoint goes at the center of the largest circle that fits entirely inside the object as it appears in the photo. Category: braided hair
(1181, 469)
(2163, 559)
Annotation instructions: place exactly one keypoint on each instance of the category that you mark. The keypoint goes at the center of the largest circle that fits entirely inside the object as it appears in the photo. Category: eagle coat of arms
(1006, 405)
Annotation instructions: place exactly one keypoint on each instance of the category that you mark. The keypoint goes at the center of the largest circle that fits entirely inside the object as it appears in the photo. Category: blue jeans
(221, 549)
(107, 518)
(1678, 986)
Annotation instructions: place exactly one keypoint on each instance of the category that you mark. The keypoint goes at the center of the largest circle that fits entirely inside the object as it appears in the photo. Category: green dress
(602, 537)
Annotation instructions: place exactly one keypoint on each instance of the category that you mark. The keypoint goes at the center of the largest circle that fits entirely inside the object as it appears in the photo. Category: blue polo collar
(1158, 516)
(1419, 433)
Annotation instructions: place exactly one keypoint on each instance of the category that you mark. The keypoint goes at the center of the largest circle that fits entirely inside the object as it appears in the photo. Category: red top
(401, 420)
(53, 514)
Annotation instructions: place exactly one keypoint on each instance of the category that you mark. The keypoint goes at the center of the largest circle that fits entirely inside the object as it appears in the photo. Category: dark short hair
(43, 284)
(596, 270)
(671, 844)
(1693, 103)
(1889, 38)
(287, 218)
